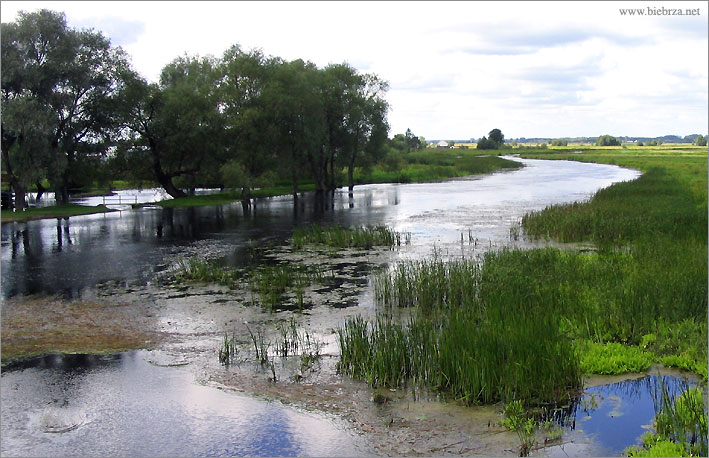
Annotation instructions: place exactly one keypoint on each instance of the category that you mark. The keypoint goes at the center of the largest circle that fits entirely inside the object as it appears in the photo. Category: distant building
(442, 144)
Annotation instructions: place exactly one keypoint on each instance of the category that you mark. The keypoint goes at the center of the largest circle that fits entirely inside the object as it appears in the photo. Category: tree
(485, 143)
(559, 142)
(177, 124)
(497, 137)
(294, 103)
(607, 140)
(701, 141)
(356, 117)
(27, 132)
(251, 134)
(77, 75)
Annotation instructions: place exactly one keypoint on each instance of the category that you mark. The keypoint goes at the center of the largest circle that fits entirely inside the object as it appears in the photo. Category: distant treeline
(593, 140)
(75, 113)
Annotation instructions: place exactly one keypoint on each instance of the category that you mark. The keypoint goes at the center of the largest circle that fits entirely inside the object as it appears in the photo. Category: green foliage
(613, 358)
(660, 448)
(683, 420)
(701, 141)
(515, 419)
(496, 137)
(559, 142)
(60, 88)
(234, 175)
(340, 237)
(485, 143)
(607, 140)
(680, 426)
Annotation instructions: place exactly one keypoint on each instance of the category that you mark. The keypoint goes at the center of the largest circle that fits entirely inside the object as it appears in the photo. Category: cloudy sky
(456, 69)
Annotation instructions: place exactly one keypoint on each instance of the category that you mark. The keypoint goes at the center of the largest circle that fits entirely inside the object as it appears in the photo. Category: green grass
(463, 340)
(342, 237)
(273, 282)
(229, 197)
(527, 324)
(434, 165)
(54, 211)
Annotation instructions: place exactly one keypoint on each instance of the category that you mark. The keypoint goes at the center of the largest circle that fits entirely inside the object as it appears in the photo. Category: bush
(607, 140)
(485, 143)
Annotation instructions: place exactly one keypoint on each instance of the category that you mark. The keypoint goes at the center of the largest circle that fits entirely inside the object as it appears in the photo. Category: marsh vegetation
(527, 325)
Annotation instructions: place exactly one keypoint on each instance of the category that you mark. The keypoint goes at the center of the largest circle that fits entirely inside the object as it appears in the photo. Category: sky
(456, 70)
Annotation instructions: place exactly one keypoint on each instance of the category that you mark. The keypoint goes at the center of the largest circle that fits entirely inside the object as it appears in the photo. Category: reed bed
(475, 346)
(342, 237)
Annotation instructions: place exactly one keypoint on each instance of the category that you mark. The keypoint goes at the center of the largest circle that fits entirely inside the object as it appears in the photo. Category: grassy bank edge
(54, 211)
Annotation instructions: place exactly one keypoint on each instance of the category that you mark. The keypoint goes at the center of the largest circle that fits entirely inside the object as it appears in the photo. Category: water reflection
(124, 406)
(66, 256)
(607, 419)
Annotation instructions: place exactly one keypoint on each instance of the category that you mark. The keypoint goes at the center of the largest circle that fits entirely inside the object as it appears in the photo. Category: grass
(341, 237)
(528, 324)
(227, 351)
(54, 211)
(464, 340)
(273, 282)
(229, 197)
(434, 165)
(200, 270)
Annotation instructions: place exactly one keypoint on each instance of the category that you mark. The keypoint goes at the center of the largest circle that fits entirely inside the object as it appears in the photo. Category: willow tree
(176, 123)
(356, 116)
(74, 74)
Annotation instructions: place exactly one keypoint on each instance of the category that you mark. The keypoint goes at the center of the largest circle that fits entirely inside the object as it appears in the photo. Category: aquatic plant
(227, 351)
(680, 425)
(516, 420)
(272, 282)
(260, 346)
(341, 237)
(200, 270)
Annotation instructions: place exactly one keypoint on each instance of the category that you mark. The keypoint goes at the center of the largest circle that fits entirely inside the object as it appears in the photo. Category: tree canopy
(71, 102)
(59, 87)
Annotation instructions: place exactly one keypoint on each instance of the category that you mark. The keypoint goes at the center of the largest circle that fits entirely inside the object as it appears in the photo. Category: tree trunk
(40, 190)
(295, 173)
(20, 192)
(15, 184)
(164, 179)
(61, 194)
(350, 178)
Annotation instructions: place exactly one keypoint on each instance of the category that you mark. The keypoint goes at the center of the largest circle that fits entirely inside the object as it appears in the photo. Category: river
(128, 405)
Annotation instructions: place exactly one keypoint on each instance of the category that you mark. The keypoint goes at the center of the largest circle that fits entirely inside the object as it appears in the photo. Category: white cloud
(456, 69)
